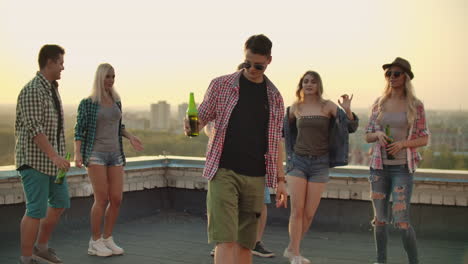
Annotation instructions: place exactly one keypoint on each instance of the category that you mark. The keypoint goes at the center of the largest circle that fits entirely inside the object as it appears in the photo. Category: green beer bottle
(61, 173)
(192, 115)
(389, 141)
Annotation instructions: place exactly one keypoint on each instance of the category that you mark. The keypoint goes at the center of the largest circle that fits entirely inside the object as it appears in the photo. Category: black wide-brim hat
(402, 63)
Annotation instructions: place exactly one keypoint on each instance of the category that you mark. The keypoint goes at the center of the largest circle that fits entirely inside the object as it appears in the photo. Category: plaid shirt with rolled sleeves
(85, 128)
(220, 99)
(418, 129)
(36, 114)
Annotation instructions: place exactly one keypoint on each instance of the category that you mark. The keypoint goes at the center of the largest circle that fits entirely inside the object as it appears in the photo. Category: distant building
(452, 137)
(182, 111)
(140, 124)
(135, 121)
(160, 116)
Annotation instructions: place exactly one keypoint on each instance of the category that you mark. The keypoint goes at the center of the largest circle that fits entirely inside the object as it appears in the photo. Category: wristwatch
(281, 179)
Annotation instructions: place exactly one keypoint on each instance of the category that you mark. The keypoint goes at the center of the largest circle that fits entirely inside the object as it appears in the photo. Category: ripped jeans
(395, 181)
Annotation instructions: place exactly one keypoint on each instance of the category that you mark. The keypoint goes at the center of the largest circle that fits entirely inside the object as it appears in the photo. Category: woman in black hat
(398, 127)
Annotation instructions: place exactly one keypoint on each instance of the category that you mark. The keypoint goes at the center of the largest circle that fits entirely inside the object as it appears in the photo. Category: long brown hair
(300, 93)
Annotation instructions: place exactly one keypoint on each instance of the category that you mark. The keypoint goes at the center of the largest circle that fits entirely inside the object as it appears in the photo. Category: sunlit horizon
(163, 51)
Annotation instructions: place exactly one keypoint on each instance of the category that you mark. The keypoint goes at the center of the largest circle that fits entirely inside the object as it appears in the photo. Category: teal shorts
(40, 191)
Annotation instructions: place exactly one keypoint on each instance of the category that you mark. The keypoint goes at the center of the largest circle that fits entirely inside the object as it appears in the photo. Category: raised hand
(346, 104)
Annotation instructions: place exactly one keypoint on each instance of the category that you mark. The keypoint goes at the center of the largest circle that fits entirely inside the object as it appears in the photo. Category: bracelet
(281, 179)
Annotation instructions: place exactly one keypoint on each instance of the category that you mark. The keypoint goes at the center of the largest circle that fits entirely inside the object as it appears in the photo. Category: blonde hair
(300, 93)
(412, 101)
(98, 85)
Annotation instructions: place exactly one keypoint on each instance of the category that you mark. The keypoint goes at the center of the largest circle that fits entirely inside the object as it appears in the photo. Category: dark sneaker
(261, 251)
(47, 256)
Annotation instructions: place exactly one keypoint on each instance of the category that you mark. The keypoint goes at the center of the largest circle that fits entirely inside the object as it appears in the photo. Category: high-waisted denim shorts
(311, 168)
(106, 158)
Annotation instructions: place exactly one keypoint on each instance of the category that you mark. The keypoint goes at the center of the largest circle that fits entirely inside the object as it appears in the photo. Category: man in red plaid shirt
(244, 152)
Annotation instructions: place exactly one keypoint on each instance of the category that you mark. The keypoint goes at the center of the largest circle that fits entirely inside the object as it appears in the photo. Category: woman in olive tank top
(309, 174)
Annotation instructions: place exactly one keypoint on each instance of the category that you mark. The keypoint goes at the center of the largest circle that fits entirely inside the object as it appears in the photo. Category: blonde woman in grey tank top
(308, 177)
(400, 110)
(98, 146)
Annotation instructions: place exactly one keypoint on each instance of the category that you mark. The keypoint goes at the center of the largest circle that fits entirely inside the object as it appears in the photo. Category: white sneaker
(97, 248)
(289, 255)
(110, 244)
(296, 260)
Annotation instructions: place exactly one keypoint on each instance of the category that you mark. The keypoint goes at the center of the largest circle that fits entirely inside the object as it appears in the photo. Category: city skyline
(164, 51)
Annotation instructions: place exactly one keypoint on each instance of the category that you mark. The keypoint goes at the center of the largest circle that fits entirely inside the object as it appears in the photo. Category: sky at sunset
(162, 50)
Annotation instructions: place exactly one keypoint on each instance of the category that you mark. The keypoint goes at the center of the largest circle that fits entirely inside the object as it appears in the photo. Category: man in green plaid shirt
(40, 147)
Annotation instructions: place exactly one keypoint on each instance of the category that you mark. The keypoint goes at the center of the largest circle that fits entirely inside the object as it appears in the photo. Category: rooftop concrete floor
(174, 237)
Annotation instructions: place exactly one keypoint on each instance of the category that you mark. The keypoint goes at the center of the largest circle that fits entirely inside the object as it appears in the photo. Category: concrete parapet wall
(434, 187)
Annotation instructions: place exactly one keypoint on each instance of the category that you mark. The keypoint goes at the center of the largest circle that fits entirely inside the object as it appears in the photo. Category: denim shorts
(41, 191)
(311, 168)
(395, 181)
(106, 158)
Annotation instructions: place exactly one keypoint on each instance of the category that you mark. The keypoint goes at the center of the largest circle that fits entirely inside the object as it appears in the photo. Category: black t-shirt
(246, 141)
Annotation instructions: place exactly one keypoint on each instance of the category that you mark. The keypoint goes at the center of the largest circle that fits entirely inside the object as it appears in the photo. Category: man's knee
(56, 211)
(402, 225)
(226, 245)
(377, 222)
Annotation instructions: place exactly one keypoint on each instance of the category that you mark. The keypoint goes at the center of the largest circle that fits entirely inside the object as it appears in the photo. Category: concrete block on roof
(189, 184)
(19, 197)
(355, 195)
(147, 184)
(161, 183)
(9, 199)
(79, 192)
(365, 195)
(333, 194)
(452, 188)
(6, 185)
(324, 194)
(461, 200)
(344, 194)
(424, 186)
(180, 183)
(436, 198)
(425, 198)
(449, 200)
(146, 172)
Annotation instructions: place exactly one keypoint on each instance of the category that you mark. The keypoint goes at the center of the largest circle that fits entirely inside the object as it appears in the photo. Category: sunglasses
(259, 67)
(396, 74)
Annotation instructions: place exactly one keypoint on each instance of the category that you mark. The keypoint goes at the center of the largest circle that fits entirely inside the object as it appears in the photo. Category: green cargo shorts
(234, 203)
(40, 191)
